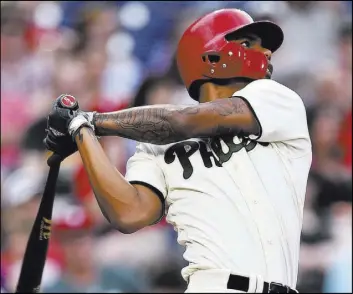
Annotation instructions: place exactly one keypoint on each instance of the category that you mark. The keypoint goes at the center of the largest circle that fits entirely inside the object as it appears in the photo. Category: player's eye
(246, 44)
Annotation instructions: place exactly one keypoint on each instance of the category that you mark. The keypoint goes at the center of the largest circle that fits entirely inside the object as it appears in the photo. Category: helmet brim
(270, 34)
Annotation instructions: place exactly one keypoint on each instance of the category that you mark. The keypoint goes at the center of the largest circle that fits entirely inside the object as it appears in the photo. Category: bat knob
(68, 102)
(54, 159)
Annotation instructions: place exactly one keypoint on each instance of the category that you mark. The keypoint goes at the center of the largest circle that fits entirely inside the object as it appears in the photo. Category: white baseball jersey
(237, 203)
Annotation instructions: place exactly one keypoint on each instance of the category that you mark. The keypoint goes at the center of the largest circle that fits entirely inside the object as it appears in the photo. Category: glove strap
(78, 122)
(90, 117)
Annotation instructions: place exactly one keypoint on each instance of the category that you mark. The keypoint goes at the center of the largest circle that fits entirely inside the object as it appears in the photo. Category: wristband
(77, 123)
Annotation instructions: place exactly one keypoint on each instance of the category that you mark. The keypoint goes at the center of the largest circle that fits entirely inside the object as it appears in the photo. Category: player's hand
(64, 146)
(58, 139)
(63, 122)
(64, 109)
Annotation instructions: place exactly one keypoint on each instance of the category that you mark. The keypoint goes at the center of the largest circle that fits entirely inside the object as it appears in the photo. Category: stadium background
(120, 54)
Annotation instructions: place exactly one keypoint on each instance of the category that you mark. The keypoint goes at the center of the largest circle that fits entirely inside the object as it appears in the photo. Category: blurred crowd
(118, 54)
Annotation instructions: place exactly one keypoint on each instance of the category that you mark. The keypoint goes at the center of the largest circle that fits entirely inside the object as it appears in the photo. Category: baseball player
(231, 171)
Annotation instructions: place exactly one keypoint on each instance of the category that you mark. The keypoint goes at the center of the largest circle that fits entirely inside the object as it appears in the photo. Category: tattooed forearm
(167, 123)
(152, 125)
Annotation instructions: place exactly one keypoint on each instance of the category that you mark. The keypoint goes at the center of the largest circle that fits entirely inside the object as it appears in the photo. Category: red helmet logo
(204, 53)
(68, 101)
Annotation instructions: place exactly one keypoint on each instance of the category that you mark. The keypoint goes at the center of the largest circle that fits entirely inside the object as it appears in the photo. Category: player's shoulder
(272, 87)
(151, 149)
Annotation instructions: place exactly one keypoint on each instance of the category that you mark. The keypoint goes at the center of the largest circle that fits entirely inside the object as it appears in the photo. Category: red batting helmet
(205, 54)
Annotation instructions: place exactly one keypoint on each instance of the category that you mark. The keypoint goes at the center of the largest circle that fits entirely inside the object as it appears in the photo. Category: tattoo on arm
(168, 123)
(90, 132)
(80, 136)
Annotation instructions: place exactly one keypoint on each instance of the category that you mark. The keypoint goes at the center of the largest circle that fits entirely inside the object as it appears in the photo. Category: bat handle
(54, 159)
(38, 241)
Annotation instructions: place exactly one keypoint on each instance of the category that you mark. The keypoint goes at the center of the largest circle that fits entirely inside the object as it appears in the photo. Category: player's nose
(265, 51)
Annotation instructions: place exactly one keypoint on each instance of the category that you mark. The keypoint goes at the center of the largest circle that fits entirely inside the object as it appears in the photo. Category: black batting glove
(64, 109)
(63, 146)
(64, 121)
(58, 139)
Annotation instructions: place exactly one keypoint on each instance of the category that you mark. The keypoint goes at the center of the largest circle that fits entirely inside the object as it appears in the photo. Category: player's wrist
(82, 119)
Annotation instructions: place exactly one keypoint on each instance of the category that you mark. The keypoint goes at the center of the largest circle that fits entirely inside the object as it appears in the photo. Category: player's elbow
(124, 227)
(128, 224)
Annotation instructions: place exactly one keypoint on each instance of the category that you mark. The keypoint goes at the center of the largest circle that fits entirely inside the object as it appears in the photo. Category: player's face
(252, 41)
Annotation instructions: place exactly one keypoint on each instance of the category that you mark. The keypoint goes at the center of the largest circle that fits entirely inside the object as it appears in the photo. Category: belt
(241, 283)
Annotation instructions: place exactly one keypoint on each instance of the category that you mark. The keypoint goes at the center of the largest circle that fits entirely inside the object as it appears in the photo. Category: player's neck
(210, 92)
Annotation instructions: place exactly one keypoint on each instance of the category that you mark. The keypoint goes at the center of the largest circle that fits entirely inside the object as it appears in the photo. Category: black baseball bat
(37, 246)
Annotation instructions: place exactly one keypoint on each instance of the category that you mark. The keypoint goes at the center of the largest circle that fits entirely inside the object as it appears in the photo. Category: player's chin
(268, 75)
